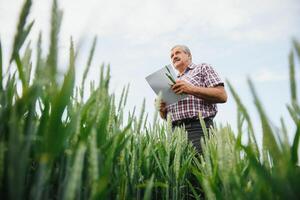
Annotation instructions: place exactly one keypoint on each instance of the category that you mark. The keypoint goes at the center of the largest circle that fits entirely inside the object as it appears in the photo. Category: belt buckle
(177, 122)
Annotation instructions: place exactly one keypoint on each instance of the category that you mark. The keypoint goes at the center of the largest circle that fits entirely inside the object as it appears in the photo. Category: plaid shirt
(202, 75)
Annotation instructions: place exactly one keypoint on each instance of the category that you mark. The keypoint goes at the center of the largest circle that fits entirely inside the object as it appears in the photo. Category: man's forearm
(213, 94)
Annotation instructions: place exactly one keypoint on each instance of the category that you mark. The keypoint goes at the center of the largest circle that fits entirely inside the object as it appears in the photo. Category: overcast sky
(239, 38)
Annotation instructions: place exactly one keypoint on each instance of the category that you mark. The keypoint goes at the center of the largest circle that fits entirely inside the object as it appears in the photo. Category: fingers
(161, 101)
(178, 87)
(162, 105)
(178, 91)
(179, 83)
(181, 87)
(174, 86)
(163, 110)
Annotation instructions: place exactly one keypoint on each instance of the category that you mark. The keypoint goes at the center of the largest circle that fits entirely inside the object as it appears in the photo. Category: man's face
(180, 59)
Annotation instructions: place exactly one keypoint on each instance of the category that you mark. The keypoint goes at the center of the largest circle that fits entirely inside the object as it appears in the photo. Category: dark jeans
(194, 130)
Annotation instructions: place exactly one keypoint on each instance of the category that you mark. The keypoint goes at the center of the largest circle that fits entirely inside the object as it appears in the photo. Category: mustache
(176, 59)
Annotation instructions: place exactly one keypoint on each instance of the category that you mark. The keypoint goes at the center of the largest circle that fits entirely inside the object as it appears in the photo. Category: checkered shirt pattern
(201, 75)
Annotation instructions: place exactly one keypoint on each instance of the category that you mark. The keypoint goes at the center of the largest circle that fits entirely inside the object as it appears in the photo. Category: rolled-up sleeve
(211, 77)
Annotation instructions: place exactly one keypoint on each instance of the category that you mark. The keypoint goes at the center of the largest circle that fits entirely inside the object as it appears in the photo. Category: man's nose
(175, 58)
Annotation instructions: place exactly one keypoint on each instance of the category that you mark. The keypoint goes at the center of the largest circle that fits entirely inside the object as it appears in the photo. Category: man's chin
(176, 66)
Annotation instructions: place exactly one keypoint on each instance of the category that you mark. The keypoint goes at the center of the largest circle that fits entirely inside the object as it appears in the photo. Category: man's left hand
(181, 87)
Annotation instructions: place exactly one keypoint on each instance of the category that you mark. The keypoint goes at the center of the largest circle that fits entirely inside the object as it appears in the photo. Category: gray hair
(184, 48)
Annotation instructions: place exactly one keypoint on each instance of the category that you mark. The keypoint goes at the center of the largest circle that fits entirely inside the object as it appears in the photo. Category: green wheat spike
(284, 131)
(121, 99)
(141, 117)
(126, 94)
(297, 48)
(75, 173)
(56, 18)
(107, 77)
(101, 82)
(27, 64)
(293, 87)
(22, 31)
(88, 65)
(21, 71)
(145, 121)
(93, 161)
(177, 157)
(20, 37)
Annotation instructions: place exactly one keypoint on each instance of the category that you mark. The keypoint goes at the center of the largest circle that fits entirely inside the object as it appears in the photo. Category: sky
(239, 38)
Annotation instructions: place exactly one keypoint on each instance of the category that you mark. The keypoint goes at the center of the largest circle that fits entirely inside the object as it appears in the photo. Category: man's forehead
(177, 49)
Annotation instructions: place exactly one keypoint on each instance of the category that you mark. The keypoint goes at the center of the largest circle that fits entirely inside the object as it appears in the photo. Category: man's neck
(182, 70)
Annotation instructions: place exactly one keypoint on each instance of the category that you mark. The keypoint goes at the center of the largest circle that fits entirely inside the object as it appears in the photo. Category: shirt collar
(191, 66)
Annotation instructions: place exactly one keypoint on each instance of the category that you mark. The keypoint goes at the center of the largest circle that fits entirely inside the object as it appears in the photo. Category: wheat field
(55, 144)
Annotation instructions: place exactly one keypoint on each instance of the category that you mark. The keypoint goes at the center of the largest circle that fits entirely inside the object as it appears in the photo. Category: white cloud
(267, 75)
(143, 21)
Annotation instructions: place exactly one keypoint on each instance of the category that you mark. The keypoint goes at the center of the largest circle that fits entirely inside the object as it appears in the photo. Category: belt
(189, 121)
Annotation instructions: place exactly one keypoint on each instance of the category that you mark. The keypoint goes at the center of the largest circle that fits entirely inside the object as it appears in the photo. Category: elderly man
(204, 88)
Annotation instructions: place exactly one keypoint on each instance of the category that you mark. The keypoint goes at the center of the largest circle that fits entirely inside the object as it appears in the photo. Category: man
(204, 88)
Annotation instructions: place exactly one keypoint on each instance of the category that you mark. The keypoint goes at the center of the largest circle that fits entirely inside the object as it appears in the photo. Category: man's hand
(163, 110)
(215, 94)
(181, 87)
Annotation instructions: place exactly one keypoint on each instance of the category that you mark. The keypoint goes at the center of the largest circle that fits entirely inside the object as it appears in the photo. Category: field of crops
(55, 144)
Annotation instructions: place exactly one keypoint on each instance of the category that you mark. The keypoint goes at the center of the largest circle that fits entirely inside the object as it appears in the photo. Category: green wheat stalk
(169, 75)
